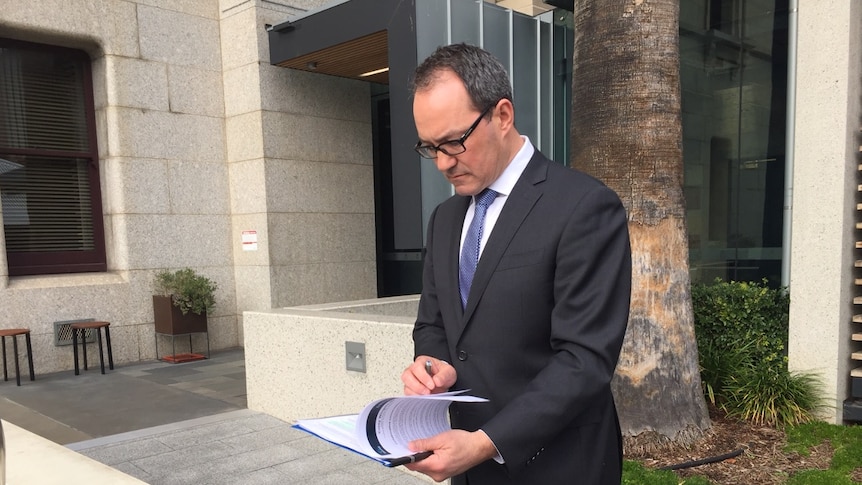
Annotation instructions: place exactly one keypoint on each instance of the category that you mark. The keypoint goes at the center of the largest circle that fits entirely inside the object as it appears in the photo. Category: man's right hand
(420, 379)
(455, 451)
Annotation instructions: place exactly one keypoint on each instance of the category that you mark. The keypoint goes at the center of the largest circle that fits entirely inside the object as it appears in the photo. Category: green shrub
(717, 364)
(741, 330)
(189, 291)
(727, 314)
(766, 395)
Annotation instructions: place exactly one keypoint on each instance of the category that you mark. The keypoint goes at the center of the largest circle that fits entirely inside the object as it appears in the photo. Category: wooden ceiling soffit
(348, 59)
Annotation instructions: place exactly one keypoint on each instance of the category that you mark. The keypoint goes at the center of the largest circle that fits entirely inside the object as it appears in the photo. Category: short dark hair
(483, 75)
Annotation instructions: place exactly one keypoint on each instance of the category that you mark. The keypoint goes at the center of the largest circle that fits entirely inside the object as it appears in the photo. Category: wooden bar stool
(14, 333)
(82, 327)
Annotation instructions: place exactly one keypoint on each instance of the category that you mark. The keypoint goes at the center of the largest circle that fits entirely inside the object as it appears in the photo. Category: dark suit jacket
(542, 330)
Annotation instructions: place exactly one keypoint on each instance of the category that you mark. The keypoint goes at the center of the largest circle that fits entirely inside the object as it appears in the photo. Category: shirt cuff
(498, 457)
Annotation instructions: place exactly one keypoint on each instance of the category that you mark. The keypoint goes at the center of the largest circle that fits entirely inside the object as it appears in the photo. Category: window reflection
(733, 57)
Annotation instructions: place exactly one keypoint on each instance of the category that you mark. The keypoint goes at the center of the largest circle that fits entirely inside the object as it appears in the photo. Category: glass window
(49, 172)
(733, 66)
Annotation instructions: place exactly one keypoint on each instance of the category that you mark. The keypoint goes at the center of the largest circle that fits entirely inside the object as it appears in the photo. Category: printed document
(384, 427)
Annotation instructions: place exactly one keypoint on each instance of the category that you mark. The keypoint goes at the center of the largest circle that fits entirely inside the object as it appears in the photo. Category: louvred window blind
(49, 177)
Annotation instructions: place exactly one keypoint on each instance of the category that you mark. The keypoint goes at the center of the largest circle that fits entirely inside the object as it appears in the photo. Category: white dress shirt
(503, 186)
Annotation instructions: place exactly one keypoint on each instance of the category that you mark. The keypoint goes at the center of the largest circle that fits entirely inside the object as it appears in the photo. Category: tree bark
(627, 131)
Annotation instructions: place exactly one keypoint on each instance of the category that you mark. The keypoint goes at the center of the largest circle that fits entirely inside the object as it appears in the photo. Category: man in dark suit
(540, 326)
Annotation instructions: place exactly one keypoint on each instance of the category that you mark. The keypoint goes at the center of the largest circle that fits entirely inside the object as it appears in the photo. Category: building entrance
(399, 269)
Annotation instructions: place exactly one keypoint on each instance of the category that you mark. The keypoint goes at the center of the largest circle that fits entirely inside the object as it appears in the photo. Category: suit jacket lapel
(518, 205)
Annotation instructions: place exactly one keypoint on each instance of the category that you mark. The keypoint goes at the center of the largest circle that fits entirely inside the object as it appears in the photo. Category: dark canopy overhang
(350, 39)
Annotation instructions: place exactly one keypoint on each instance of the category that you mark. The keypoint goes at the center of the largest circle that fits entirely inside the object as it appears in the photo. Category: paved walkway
(182, 424)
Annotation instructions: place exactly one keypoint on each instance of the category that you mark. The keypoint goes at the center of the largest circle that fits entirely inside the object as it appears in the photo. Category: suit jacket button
(462, 355)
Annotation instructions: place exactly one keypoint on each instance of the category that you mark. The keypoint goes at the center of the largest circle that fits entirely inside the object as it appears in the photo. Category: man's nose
(445, 162)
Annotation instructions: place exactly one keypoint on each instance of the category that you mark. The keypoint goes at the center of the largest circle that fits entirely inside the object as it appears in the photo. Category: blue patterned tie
(470, 250)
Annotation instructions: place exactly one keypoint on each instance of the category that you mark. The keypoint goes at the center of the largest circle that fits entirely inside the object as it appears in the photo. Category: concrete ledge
(33, 459)
(296, 363)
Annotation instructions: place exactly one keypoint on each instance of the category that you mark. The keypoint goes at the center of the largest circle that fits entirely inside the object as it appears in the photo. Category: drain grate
(63, 332)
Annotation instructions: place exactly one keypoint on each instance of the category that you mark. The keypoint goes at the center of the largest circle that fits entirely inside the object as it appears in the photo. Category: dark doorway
(399, 270)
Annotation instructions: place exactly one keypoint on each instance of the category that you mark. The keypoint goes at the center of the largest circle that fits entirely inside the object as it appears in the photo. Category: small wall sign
(249, 240)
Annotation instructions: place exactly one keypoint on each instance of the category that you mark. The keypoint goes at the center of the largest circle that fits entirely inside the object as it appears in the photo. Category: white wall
(824, 186)
(295, 357)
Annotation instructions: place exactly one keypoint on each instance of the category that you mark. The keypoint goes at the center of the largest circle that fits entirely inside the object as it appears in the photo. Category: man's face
(443, 112)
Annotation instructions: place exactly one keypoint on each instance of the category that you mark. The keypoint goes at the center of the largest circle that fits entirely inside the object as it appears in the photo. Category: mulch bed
(762, 461)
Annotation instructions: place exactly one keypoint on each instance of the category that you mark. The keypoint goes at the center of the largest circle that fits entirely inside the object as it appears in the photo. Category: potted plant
(182, 300)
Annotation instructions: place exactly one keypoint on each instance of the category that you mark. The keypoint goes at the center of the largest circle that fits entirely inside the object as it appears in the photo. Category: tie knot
(485, 198)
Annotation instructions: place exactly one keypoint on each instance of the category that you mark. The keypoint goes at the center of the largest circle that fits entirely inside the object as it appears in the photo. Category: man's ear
(505, 115)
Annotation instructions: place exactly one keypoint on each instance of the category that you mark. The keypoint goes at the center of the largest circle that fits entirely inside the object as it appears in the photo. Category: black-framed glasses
(450, 147)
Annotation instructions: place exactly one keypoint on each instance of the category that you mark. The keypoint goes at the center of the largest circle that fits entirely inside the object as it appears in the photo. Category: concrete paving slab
(114, 403)
(194, 453)
(185, 424)
(40, 424)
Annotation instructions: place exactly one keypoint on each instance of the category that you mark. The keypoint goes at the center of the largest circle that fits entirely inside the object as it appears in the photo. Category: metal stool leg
(17, 370)
(5, 372)
(75, 349)
(30, 356)
(110, 353)
(101, 354)
(84, 347)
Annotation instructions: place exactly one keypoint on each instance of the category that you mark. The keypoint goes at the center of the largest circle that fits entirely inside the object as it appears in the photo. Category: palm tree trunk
(627, 131)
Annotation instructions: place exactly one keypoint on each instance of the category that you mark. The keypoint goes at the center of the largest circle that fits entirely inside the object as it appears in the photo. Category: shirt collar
(507, 180)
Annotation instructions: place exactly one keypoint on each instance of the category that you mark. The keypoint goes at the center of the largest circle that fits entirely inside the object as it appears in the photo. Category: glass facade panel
(466, 21)
(733, 62)
(564, 41)
(431, 15)
(546, 88)
(525, 73)
(497, 35)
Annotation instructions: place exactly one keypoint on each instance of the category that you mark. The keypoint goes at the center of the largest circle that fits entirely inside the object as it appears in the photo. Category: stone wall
(200, 139)
(296, 363)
